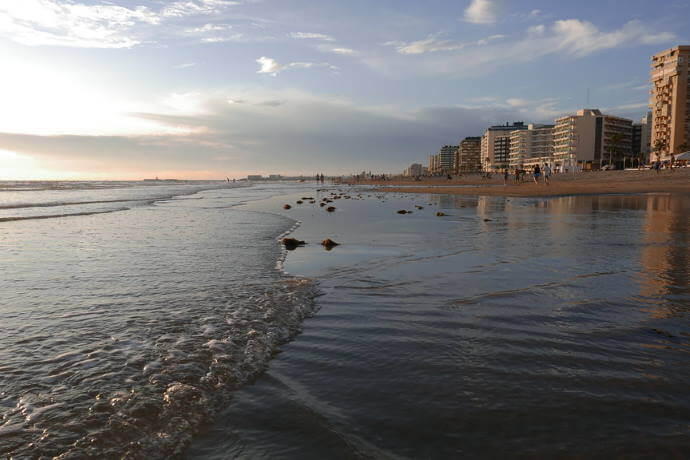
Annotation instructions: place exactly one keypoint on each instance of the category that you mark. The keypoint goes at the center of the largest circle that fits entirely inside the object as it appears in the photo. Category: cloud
(105, 25)
(482, 12)
(569, 37)
(189, 8)
(433, 44)
(269, 66)
(272, 67)
(340, 50)
(185, 65)
(632, 106)
(309, 35)
(288, 131)
(429, 45)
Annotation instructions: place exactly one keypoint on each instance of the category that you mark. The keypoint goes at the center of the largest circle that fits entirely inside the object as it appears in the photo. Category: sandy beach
(585, 183)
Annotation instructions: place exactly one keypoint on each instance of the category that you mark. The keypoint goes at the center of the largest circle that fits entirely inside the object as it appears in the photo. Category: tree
(659, 145)
(616, 139)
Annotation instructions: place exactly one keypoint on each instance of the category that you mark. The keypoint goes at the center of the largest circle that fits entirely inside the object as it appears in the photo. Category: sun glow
(14, 166)
(44, 100)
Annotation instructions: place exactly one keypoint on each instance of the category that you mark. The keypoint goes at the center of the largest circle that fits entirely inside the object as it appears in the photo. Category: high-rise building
(496, 145)
(586, 140)
(447, 158)
(470, 155)
(530, 146)
(670, 102)
(434, 164)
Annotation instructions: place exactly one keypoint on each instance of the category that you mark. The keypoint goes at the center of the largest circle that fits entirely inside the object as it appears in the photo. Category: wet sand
(586, 183)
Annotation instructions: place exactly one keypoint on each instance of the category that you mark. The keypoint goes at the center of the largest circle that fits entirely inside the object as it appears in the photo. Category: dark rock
(292, 243)
(322, 204)
(418, 206)
(286, 206)
(330, 208)
(487, 220)
(299, 202)
(329, 244)
(403, 211)
(440, 214)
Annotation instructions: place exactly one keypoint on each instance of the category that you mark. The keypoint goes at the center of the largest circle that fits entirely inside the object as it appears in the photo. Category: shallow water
(122, 332)
(510, 327)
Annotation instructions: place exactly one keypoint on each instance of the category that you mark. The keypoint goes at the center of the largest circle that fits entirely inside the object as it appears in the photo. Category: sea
(165, 319)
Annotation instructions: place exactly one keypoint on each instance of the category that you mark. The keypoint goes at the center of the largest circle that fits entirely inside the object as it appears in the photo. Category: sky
(208, 89)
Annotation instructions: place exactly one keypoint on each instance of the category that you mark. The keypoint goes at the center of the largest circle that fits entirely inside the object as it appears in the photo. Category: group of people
(319, 178)
(657, 165)
(537, 173)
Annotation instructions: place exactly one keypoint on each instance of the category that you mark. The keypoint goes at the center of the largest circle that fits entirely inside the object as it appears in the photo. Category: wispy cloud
(270, 66)
(185, 65)
(433, 44)
(311, 36)
(345, 51)
(569, 37)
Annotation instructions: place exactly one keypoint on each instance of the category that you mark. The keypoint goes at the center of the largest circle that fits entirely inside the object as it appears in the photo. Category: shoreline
(584, 183)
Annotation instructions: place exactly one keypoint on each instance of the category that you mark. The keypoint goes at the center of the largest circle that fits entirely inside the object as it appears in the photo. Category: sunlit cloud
(309, 35)
(272, 67)
(103, 25)
(482, 12)
(292, 131)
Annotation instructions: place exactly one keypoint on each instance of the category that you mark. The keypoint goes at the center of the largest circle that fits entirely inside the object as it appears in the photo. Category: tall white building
(496, 145)
(531, 145)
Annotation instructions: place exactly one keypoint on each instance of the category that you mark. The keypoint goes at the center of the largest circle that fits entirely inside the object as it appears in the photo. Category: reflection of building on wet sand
(665, 255)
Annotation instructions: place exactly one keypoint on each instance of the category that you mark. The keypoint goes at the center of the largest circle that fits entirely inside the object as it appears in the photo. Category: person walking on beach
(547, 173)
(517, 175)
(657, 165)
(505, 177)
(537, 173)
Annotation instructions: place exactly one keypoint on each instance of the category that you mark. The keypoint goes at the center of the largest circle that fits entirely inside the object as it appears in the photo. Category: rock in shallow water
(292, 243)
(329, 244)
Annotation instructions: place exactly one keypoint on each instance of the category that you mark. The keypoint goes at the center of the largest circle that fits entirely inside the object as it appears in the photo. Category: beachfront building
(531, 146)
(495, 148)
(469, 157)
(434, 166)
(446, 159)
(641, 138)
(255, 177)
(586, 140)
(670, 102)
(414, 170)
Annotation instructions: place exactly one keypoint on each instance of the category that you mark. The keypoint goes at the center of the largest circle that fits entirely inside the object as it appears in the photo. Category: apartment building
(670, 102)
(414, 170)
(586, 140)
(447, 158)
(469, 156)
(530, 146)
(495, 147)
(434, 166)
